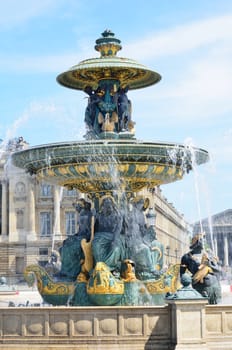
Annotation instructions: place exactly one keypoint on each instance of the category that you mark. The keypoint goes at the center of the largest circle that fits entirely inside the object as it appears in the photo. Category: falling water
(190, 152)
(56, 226)
(190, 147)
(103, 155)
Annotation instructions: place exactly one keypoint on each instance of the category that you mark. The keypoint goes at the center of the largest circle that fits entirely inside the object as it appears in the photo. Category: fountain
(115, 258)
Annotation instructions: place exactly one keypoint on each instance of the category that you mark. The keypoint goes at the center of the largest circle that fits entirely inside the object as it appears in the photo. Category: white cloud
(199, 86)
(182, 38)
(221, 151)
(197, 96)
(14, 12)
(200, 91)
(38, 64)
(34, 110)
(216, 32)
(208, 78)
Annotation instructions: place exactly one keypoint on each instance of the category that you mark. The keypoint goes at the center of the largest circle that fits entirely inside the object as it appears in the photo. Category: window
(46, 190)
(70, 222)
(19, 264)
(70, 193)
(43, 251)
(45, 224)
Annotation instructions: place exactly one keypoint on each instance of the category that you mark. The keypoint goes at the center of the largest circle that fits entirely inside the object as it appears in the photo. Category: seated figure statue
(71, 252)
(156, 247)
(92, 111)
(204, 269)
(124, 109)
(108, 241)
(101, 109)
(139, 243)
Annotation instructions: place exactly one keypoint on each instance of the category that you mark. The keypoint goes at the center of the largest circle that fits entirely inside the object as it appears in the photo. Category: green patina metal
(125, 70)
(187, 292)
(114, 259)
(137, 164)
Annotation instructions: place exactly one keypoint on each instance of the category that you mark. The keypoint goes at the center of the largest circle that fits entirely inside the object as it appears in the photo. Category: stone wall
(87, 328)
(180, 325)
(218, 326)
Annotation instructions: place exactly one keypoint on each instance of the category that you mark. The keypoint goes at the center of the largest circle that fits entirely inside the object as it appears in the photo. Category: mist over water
(32, 113)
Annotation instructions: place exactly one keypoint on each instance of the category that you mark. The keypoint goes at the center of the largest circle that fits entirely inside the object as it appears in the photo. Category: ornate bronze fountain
(114, 259)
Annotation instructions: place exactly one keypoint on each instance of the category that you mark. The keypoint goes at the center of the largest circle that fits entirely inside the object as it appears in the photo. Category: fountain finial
(108, 45)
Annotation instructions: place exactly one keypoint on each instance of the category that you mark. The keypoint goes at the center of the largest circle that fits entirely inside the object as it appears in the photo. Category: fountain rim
(87, 165)
(114, 63)
(112, 142)
(108, 144)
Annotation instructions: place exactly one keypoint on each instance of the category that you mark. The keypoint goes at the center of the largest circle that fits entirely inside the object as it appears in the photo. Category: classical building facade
(171, 228)
(218, 231)
(35, 218)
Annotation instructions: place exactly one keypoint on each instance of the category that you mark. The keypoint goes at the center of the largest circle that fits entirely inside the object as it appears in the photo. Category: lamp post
(151, 217)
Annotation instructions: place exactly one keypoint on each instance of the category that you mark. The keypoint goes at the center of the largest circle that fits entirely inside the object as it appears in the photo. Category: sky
(188, 42)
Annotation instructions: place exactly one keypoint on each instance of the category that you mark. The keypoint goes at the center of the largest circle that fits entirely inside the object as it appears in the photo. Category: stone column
(226, 253)
(188, 324)
(4, 208)
(31, 210)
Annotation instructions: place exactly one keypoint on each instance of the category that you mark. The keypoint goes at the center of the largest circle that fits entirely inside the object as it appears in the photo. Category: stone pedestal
(188, 324)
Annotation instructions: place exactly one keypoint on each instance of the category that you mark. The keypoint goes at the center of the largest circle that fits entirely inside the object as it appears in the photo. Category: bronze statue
(108, 241)
(138, 240)
(71, 252)
(204, 269)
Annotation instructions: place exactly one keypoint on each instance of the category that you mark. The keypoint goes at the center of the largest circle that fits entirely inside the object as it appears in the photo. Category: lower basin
(109, 165)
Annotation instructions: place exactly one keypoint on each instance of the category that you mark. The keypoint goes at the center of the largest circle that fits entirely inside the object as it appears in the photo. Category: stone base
(188, 323)
(191, 347)
(114, 328)
(83, 328)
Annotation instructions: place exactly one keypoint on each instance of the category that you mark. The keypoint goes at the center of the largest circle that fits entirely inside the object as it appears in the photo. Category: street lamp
(151, 217)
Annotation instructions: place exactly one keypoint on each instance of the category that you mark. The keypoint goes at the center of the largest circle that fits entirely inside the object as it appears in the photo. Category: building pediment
(222, 218)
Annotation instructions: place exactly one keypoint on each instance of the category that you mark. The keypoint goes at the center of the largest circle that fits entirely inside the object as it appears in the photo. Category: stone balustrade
(181, 325)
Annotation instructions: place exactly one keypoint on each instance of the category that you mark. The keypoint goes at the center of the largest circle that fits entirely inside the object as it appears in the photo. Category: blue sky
(188, 42)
